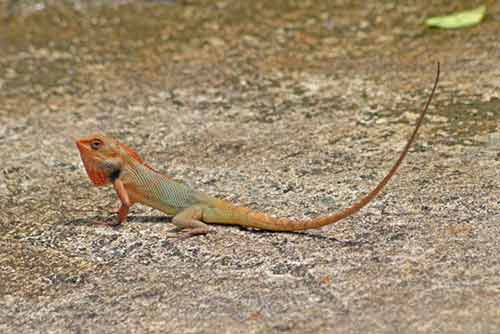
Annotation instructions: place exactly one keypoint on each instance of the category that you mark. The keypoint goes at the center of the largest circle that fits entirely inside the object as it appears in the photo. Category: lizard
(108, 161)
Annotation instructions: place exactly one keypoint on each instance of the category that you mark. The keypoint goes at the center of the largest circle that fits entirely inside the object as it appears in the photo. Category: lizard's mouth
(79, 145)
(96, 174)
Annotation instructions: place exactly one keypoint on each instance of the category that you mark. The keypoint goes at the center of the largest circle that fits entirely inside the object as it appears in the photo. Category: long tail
(263, 221)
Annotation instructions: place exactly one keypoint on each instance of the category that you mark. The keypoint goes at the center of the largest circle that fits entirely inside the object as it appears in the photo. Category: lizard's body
(170, 196)
(108, 161)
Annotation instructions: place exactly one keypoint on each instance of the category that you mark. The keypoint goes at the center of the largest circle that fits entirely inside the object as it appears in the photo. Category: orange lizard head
(98, 150)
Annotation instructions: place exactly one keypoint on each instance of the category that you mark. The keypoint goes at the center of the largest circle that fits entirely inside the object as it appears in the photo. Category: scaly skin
(109, 162)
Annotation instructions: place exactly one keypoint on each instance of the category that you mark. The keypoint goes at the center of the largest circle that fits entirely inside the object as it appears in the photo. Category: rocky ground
(293, 108)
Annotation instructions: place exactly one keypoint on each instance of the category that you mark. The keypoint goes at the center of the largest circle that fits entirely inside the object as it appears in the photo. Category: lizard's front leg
(124, 198)
(125, 204)
(190, 220)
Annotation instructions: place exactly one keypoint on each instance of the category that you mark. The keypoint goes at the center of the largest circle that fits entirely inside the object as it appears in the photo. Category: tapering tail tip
(438, 71)
(263, 221)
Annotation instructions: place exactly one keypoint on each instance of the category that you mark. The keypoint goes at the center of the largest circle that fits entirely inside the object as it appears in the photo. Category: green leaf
(463, 19)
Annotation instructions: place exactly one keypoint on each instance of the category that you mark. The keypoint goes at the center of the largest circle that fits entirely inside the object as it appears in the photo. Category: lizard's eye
(96, 144)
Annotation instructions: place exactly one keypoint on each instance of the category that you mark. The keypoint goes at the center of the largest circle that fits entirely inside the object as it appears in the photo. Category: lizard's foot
(106, 222)
(183, 234)
(112, 212)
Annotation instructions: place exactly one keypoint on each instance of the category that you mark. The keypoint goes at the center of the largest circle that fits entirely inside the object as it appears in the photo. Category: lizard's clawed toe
(183, 234)
(106, 223)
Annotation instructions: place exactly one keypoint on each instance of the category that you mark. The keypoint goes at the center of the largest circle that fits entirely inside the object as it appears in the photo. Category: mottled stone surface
(293, 108)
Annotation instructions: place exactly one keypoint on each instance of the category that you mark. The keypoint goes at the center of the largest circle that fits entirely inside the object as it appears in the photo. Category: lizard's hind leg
(189, 222)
